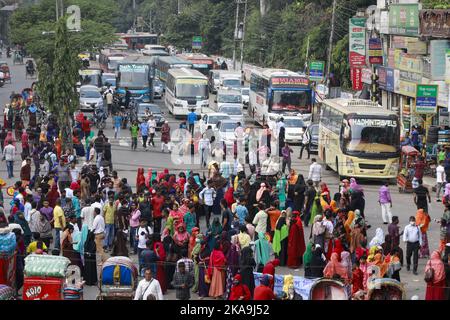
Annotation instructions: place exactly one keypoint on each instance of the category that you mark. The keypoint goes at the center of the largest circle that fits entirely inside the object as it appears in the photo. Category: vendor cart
(45, 277)
(118, 280)
(405, 175)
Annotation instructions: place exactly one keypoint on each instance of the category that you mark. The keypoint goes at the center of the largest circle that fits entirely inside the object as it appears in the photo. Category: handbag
(429, 274)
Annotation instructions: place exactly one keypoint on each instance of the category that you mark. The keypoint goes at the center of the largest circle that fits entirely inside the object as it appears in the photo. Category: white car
(234, 111)
(90, 98)
(245, 93)
(226, 97)
(231, 83)
(225, 132)
(211, 119)
(294, 127)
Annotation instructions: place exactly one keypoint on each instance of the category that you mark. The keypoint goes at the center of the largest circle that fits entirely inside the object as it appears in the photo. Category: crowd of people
(252, 223)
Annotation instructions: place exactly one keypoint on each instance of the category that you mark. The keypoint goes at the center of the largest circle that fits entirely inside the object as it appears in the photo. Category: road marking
(123, 143)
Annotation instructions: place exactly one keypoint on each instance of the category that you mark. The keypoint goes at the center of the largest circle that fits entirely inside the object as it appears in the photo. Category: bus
(109, 59)
(138, 40)
(92, 77)
(136, 74)
(186, 89)
(200, 62)
(359, 138)
(163, 64)
(155, 53)
(277, 92)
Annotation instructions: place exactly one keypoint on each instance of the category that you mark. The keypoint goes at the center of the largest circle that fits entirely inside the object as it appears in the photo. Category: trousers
(386, 212)
(412, 249)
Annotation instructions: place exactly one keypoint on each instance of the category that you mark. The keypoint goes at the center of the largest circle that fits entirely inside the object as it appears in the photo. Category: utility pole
(330, 45)
(307, 55)
(243, 35)
(235, 34)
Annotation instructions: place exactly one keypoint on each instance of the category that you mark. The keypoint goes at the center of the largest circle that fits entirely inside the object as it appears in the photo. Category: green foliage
(436, 4)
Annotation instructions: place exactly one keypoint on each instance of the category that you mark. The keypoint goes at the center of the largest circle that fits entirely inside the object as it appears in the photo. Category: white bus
(359, 138)
(186, 89)
(277, 92)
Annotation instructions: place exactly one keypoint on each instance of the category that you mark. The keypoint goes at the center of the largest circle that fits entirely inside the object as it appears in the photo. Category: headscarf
(307, 256)
(358, 217)
(447, 190)
(355, 186)
(216, 260)
(9, 137)
(140, 179)
(379, 262)
(422, 218)
(252, 179)
(347, 262)
(181, 236)
(325, 192)
(335, 267)
(378, 240)
(53, 195)
(260, 192)
(293, 177)
(318, 228)
(437, 265)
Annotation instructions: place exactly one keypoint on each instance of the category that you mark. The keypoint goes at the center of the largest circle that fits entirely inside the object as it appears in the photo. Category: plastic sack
(46, 266)
(8, 243)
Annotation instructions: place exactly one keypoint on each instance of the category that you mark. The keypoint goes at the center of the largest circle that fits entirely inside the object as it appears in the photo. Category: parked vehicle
(118, 279)
(245, 93)
(212, 119)
(314, 134)
(90, 98)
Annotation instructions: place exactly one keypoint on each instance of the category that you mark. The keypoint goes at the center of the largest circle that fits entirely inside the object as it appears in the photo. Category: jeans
(204, 157)
(386, 212)
(116, 132)
(109, 235)
(144, 141)
(208, 210)
(439, 187)
(157, 224)
(99, 159)
(133, 241)
(288, 163)
(9, 167)
(191, 128)
(57, 244)
(152, 135)
(133, 143)
(412, 249)
(307, 150)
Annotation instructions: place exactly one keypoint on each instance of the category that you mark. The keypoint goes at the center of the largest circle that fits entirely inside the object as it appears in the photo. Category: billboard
(438, 50)
(357, 42)
(375, 51)
(316, 70)
(404, 19)
(426, 100)
(356, 75)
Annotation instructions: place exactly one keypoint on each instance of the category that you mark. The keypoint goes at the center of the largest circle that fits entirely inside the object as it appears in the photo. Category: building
(5, 13)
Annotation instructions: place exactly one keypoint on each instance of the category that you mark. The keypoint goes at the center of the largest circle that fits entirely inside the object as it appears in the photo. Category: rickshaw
(385, 289)
(406, 169)
(329, 289)
(5, 69)
(118, 279)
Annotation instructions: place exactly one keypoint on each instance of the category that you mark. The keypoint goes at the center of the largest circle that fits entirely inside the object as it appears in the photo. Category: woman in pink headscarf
(9, 137)
(435, 288)
(334, 267)
(355, 186)
(181, 236)
(263, 194)
(25, 144)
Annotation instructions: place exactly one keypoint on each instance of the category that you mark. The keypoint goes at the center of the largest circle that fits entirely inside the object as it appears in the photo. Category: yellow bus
(358, 138)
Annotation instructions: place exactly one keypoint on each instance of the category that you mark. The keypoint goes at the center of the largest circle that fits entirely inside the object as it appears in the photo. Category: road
(126, 163)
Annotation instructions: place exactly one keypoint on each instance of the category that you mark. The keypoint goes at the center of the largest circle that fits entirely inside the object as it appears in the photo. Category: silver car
(234, 111)
(90, 98)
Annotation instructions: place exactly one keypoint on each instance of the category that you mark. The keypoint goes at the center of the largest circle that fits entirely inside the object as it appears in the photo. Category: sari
(216, 273)
(436, 288)
(334, 267)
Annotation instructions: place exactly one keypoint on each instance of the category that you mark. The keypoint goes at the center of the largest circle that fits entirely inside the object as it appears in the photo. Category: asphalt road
(126, 163)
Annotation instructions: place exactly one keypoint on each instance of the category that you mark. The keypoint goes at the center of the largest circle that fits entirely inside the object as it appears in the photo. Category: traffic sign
(316, 70)
(197, 42)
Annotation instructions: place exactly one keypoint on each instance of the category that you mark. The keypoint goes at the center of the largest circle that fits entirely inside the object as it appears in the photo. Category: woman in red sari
(53, 195)
(338, 248)
(334, 267)
(325, 192)
(229, 196)
(158, 248)
(216, 272)
(435, 288)
(140, 180)
(296, 242)
(192, 241)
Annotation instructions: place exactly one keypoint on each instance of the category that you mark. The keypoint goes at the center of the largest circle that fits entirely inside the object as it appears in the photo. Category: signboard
(366, 75)
(443, 91)
(375, 51)
(316, 70)
(357, 42)
(412, 45)
(434, 23)
(438, 49)
(197, 42)
(447, 66)
(410, 76)
(356, 76)
(404, 19)
(384, 22)
(406, 88)
(139, 68)
(405, 62)
(444, 117)
(390, 80)
(381, 72)
(426, 101)
(391, 58)
(287, 82)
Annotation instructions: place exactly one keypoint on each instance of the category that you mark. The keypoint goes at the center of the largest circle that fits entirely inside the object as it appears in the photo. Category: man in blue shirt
(144, 133)
(117, 123)
(241, 212)
(192, 118)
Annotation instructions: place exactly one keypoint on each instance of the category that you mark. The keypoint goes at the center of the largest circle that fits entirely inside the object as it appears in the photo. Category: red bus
(138, 40)
(200, 62)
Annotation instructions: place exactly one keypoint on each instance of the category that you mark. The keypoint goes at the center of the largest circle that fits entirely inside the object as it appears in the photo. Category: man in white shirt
(205, 147)
(225, 169)
(74, 172)
(218, 153)
(413, 239)
(151, 129)
(27, 207)
(239, 134)
(315, 172)
(208, 195)
(98, 227)
(280, 124)
(148, 287)
(87, 214)
(260, 219)
(9, 153)
(440, 180)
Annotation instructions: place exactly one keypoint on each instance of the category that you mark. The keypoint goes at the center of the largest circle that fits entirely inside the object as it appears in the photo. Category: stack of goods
(7, 242)
(37, 265)
(73, 293)
(6, 293)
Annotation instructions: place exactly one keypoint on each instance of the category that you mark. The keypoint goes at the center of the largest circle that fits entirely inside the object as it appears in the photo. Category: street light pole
(243, 35)
(235, 34)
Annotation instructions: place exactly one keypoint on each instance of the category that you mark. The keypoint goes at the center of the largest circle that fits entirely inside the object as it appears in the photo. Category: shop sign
(412, 45)
(407, 88)
(391, 58)
(426, 101)
(396, 80)
(356, 76)
(381, 72)
(410, 76)
(435, 23)
(405, 62)
(438, 50)
(443, 90)
(357, 42)
(375, 51)
(384, 22)
(447, 66)
(404, 19)
(366, 76)
(390, 80)
(316, 70)
(443, 117)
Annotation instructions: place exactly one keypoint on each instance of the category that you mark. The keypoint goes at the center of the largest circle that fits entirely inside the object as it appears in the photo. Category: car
(90, 98)
(232, 82)
(225, 132)
(245, 93)
(293, 129)
(158, 89)
(144, 109)
(313, 131)
(234, 111)
(225, 97)
(211, 119)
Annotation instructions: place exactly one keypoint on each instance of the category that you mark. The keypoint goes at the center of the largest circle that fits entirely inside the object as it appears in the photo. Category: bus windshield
(374, 137)
(134, 76)
(92, 80)
(290, 100)
(191, 91)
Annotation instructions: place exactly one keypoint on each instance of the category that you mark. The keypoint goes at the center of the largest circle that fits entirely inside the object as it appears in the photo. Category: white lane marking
(123, 143)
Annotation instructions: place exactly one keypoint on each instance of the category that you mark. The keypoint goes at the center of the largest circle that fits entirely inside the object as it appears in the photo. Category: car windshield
(232, 83)
(90, 94)
(228, 126)
(375, 137)
(293, 123)
(290, 100)
(134, 75)
(151, 109)
(229, 98)
(192, 91)
(215, 119)
(234, 111)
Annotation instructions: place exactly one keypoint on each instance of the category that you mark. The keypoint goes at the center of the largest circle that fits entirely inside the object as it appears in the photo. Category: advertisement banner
(406, 88)
(410, 76)
(381, 72)
(412, 45)
(447, 66)
(316, 70)
(366, 75)
(390, 81)
(356, 75)
(404, 19)
(357, 42)
(375, 51)
(426, 101)
(197, 42)
(405, 62)
(384, 22)
(443, 90)
(438, 49)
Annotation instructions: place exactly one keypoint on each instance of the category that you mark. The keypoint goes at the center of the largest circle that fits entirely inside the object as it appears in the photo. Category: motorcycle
(100, 117)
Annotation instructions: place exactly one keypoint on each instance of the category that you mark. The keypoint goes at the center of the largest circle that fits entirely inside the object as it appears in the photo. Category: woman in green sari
(281, 189)
(316, 209)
